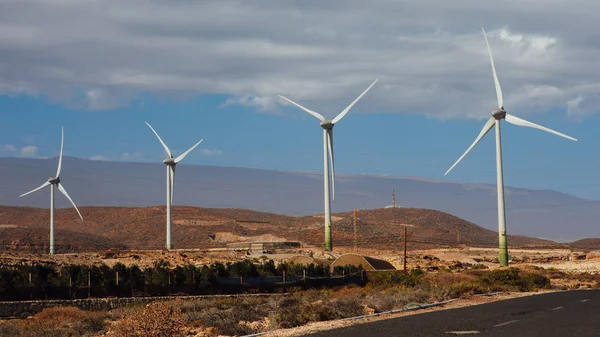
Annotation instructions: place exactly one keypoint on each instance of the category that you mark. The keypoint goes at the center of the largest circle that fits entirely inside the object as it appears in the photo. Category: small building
(262, 247)
(368, 263)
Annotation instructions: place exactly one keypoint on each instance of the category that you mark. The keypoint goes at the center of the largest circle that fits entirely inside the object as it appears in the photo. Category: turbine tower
(328, 158)
(55, 182)
(171, 163)
(498, 115)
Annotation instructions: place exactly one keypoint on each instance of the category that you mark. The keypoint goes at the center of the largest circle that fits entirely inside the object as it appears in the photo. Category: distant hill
(586, 244)
(144, 228)
(538, 213)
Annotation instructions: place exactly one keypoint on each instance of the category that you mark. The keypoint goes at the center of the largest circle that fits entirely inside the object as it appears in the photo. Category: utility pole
(355, 233)
(394, 196)
(405, 249)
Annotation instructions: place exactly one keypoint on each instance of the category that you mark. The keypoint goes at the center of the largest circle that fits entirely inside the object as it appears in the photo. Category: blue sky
(213, 69)
(371, 143)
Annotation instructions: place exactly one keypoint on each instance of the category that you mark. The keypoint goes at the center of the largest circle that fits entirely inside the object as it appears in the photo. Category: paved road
(565, 314)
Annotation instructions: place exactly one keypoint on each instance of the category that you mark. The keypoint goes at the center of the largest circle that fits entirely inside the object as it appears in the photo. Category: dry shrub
(60, 316)
(445, 279)
(313, 295)
(229, 316)
(10, 329)
(57, 322)
(349, 306)
(424, 293)
(291, 314)
(381, 301)
(296, 311)
(154, 320)
(345, 292)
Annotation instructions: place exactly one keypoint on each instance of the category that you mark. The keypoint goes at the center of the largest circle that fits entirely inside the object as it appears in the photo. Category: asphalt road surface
(565, 314)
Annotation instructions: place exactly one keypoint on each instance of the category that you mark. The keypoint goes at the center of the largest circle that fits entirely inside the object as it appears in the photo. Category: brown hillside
(586, 244)
(194, 227)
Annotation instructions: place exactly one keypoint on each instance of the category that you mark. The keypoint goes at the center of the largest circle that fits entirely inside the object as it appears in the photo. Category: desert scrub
(384, 279)
(226, 315)
(512, 279)
(297, 310)
(57, 322)
(154, 320)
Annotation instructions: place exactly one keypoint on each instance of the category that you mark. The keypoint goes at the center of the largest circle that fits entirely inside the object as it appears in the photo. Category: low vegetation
(57, 322)
(25, 282)
(384, 291)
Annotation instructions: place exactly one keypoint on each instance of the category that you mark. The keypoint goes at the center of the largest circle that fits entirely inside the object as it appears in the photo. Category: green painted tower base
(328, 245)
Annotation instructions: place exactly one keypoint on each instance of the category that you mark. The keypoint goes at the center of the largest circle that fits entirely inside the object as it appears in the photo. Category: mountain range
(537, 213)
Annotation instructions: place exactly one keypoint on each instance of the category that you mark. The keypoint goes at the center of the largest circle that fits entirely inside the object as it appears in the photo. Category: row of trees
(161, 273)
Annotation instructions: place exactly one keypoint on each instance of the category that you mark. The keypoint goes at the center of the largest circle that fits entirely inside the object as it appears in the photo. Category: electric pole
(405, 249)
(355, 232)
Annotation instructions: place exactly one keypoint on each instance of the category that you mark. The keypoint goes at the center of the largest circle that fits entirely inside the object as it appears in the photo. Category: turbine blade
(64, 192)
(345, 111)
(161, 141)
(486, 128)
(496, 82)
(37, 189)
(62, 143)
(331, 161)
(521, 122)
(314, 113)
(172, 177)
(180, 158)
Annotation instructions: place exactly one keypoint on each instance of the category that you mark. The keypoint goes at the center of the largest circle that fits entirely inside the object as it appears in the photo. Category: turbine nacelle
(327, 125)
(499, 113)
(54, 181)
(169, 162)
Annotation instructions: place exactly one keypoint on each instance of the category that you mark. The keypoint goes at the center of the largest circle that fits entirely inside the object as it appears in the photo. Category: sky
(212, 70)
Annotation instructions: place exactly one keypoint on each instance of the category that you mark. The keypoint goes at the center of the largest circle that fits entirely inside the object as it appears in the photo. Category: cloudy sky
(213, 69)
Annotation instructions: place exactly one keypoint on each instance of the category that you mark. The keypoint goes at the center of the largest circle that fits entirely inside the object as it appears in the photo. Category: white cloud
(99, 157)
(430, 56)
(128, 156)
(9, 148)
(29, 151)
(265, 103)
(211, 152)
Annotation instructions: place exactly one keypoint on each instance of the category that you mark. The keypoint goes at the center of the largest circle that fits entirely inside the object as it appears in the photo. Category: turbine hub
(53, 180)
(499, 113)
(169, 161)
(327, 125)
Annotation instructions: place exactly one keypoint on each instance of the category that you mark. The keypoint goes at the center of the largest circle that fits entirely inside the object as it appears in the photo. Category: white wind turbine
(328, 158)
(171, 163)
(498, 115)
(52, 182)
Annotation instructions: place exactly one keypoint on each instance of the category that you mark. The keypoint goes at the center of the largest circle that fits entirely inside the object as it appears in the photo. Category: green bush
(395, 278)
(513, 279)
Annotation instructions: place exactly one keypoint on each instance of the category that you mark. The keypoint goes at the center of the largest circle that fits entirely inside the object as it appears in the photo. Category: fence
(231, 285)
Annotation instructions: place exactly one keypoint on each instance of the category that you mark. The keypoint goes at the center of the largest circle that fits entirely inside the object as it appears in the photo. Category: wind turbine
(171, 163)
(498, 115)
(55, 182)
(328, 158)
